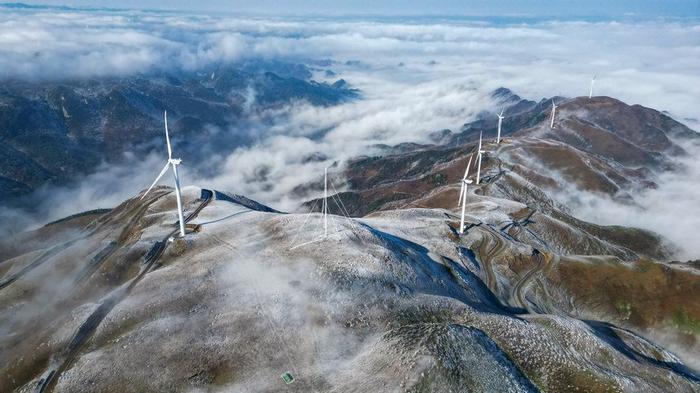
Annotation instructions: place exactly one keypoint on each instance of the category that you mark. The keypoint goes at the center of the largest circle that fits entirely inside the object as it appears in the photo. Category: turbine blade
(167, 137)
(469, 164)
(466, 172)
(165, 169)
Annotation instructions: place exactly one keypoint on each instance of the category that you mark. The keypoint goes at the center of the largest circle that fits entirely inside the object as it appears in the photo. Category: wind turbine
(325, 202)
(327, 216)
(500, 121)
(478, 157)
(464, 181)
(174, 162)
(590, 93)
(463, 194)
(554, 111)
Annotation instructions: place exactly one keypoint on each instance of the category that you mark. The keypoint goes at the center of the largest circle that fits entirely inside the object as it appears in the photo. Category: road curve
(517, 291)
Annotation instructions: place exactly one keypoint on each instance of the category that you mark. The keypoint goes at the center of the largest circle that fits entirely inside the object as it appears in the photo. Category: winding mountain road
(517, 293)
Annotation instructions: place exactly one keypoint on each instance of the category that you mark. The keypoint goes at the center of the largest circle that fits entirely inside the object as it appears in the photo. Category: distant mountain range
(25, 6)
(54, 132)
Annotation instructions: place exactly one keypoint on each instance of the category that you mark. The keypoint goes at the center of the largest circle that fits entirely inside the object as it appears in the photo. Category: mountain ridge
(414, 303)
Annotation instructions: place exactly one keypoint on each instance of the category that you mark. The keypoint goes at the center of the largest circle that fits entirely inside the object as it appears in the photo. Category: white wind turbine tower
(478, 158)
(325, 202)
(463, 194)
(590, 92)
(174, 162)
(325, 210)
(554, 111)
(500, 121)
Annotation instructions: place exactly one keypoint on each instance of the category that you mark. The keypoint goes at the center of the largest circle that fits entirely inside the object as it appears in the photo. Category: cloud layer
(652, 63)
(672, 209)
(416, 76)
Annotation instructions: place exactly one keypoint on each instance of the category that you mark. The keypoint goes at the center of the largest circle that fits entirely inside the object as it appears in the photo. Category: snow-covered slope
(396, 301)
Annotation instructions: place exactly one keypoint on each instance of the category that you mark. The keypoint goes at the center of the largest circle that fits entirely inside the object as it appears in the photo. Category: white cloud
(672, 209)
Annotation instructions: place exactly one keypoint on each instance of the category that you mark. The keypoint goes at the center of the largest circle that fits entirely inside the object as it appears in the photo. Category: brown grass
(644, 294)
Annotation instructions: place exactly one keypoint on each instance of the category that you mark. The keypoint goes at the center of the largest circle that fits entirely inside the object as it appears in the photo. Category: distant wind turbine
(478, 158)
(174, 162)
(554, 111)
(463, 194)
(500, 121)
(590, 92)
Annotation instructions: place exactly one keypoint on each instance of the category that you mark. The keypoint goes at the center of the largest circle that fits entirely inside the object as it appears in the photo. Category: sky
(416, 75)
(538, 8)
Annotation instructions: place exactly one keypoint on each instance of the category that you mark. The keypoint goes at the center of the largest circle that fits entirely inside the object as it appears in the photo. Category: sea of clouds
(416, 76)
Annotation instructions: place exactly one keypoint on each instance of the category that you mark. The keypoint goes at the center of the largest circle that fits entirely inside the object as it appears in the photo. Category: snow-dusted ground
(397, 301)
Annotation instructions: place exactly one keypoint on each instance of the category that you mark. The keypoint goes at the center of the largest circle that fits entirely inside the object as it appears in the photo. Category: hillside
(395, 300)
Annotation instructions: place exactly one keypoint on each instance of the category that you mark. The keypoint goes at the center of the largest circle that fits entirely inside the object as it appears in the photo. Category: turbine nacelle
(174, 161)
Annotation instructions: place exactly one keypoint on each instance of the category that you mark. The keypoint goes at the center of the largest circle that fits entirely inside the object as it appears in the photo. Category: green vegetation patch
(624, 309)
(439, 179)
(685, 322)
